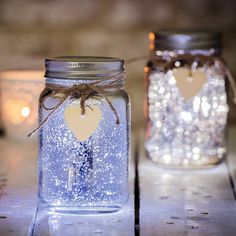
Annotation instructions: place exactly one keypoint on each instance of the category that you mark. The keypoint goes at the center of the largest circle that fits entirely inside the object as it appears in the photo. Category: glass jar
(186, 101)
(84, 135)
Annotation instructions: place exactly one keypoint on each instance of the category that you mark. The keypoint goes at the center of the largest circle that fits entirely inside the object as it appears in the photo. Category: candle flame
(25, 111)
(16, 111)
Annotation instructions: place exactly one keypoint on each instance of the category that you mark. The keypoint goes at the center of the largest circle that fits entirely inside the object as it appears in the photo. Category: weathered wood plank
(193, 202)
(18, 186)
(231, 158)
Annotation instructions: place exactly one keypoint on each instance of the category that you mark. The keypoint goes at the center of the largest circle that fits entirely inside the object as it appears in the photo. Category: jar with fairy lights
(84, 130)
(186, 100)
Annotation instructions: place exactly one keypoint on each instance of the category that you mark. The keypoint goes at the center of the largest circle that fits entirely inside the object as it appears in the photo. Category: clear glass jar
(83, 158)
(186, 101)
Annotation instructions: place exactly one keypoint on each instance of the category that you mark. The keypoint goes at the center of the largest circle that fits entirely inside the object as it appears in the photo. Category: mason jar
(186, 101)
(84, 118)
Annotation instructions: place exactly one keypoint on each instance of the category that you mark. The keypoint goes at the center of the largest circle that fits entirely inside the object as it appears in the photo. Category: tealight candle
(20, 90)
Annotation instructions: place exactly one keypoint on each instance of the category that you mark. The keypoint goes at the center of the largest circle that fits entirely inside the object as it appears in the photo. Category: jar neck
(117, 79)
(192, 52)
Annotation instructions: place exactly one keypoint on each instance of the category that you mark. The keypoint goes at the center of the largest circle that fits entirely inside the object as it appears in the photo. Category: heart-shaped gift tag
(83, 126)
(189, 84)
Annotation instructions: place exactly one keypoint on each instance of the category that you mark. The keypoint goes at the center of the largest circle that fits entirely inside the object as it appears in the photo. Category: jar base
(212, 162)
(81, 210)
(186, 167)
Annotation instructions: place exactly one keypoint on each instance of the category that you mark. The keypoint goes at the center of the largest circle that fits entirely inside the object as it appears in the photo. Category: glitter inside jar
(187, 107)
(89, 175)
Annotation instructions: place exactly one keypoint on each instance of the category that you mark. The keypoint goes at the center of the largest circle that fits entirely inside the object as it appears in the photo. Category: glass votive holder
(20, 90)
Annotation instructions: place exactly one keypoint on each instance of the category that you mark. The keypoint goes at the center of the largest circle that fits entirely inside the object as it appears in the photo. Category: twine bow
(79, 91)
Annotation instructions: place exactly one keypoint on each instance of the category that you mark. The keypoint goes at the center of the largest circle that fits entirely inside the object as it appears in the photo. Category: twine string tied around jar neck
(81, 91)
(205, 58)
(91, 90)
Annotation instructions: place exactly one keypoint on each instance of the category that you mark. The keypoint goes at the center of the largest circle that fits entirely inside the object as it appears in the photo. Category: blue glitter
(77, 176)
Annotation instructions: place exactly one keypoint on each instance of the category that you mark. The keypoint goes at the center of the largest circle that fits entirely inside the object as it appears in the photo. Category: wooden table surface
(162, 201)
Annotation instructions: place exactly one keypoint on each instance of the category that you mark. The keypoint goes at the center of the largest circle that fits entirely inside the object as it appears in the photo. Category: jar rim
(73, 67)
(185, 39)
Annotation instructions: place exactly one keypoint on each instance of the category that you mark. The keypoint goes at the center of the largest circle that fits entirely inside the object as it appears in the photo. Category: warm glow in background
(33, 30)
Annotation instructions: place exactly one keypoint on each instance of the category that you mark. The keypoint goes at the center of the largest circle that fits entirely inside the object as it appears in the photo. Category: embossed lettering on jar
(84, 138)
(186, 99)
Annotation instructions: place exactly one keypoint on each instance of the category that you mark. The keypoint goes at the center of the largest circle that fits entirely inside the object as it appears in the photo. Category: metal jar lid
(77, 67)
(185, 39)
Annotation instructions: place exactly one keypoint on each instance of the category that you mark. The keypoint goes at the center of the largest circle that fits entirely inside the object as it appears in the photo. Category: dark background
(31, 30)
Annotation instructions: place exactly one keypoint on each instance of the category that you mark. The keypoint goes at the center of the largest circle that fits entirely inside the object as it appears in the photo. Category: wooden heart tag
(83, 126)
(189, 85)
